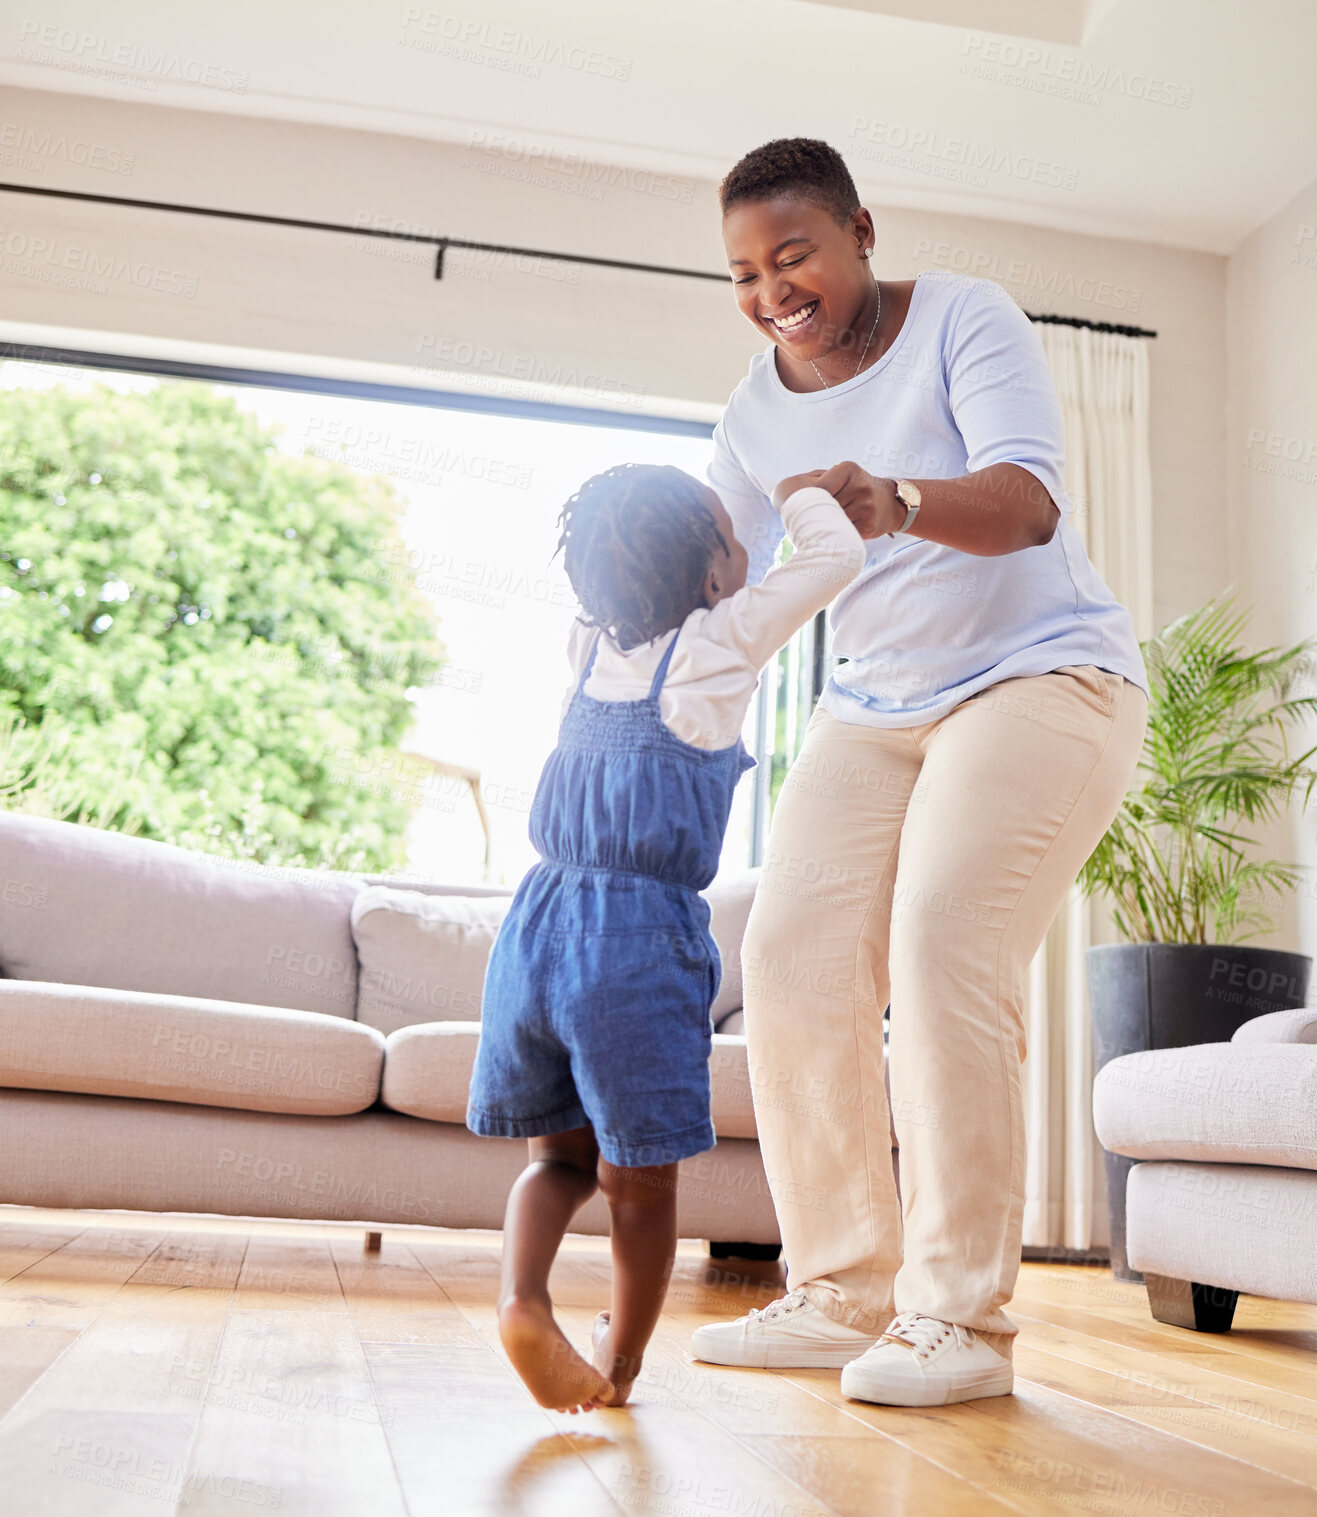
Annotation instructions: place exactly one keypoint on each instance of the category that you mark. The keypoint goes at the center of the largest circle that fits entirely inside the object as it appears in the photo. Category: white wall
(625, 339)
(1272, 455)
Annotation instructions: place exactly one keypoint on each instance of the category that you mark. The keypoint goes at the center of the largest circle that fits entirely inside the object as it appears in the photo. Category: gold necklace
(860, 360)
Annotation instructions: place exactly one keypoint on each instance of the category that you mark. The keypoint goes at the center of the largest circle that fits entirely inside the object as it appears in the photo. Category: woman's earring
(868, 252)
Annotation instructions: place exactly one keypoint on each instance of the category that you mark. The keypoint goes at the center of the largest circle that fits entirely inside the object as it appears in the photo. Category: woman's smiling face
(798, 276)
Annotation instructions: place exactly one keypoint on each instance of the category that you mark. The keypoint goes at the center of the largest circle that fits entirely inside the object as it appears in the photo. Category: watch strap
(911, 511)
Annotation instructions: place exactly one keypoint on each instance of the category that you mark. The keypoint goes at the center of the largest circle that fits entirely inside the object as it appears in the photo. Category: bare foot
(555, 1374)
(605, 1363)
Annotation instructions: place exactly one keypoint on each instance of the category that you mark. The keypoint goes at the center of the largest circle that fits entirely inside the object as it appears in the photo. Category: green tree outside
(207, 639)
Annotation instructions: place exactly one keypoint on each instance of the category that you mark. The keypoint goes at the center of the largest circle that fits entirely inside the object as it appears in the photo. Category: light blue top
(966, 384)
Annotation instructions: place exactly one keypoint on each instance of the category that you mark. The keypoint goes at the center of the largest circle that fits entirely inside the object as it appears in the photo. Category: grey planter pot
(1171, 995)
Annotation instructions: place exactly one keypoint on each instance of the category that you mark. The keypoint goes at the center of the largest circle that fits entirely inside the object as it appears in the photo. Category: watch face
(908, 492)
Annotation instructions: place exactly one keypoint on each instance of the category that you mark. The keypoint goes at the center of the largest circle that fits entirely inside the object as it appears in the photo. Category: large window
(480, 496)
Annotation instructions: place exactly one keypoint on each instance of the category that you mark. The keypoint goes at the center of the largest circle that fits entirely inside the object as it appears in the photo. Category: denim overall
(597, 995)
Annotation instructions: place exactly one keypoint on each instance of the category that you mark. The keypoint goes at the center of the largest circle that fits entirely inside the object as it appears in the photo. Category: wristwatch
(907, 492)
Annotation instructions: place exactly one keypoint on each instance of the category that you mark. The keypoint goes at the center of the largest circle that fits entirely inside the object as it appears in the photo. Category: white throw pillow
(422, 957)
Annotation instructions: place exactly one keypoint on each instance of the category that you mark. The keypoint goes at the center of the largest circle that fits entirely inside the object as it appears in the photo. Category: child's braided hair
(636, 541)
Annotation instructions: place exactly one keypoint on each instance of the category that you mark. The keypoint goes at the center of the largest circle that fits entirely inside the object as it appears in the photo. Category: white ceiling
(1053, 20)
(1195, 119)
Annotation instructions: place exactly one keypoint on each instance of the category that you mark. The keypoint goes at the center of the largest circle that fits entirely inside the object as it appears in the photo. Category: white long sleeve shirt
(722, 649)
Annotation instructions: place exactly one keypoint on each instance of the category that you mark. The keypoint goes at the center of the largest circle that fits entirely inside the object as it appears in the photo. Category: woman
(959, 768)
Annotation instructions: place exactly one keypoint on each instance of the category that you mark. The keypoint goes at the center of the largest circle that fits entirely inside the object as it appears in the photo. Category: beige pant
(921, 865)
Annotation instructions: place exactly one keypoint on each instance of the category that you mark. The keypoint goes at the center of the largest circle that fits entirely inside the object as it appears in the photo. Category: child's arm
(828, 553)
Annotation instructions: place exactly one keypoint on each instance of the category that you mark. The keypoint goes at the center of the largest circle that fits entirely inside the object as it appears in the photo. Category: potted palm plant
(1179, 864)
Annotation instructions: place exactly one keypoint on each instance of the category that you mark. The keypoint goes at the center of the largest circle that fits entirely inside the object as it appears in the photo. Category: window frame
(809, 648)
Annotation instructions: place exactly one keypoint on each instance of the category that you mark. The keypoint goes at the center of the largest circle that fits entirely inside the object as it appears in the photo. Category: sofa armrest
(733, 1090)
(1296, 1026)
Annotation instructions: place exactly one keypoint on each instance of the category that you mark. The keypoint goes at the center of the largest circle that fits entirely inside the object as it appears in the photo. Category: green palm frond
(1177, 863)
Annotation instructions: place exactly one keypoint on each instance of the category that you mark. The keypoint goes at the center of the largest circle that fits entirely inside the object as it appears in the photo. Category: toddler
(595, 1033)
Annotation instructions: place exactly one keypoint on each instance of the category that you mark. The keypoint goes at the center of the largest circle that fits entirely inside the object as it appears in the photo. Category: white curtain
(1102, 382)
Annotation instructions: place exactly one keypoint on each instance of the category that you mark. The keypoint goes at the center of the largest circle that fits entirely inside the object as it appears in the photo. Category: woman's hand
(870, 503)
(867, 501)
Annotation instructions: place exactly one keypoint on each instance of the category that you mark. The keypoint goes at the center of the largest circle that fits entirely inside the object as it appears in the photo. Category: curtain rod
(442, 244)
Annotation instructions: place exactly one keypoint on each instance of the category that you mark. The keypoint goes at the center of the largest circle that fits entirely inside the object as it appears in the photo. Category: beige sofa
(1224, 1196)
(181, 1033)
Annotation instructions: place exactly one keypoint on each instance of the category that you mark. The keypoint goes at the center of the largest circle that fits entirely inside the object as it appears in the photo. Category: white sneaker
(789, 1333)
(922, 1361)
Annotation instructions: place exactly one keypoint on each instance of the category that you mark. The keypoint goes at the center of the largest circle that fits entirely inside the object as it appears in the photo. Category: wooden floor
(153, 1365)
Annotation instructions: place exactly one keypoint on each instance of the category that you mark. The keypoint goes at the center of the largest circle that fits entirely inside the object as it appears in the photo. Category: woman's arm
(1003, 401)
(996, 510)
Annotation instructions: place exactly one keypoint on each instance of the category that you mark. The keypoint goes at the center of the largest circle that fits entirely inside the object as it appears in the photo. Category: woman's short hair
(636, 543)
(800, 166)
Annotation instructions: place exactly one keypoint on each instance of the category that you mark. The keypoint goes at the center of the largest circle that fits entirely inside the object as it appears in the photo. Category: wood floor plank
(69, 1448)
(26, 1353)
(1261, 1328)
(216, 1371)
(1164, 1373)
(23, 1246)
(164, 1324)
(289, 1274)
(642, 1454)
(658, 1460)
(289, 1404)
(1247, 1439)
(393, 1299)
(1098, 1283)
(1286, 1372)
(466, 1438)
(781, 1424)
(290, 1408)
(1039, 1449)
(69, 1286)
(463, 1433)
(843, 1467)
(863, 1477)
(1273, 1449)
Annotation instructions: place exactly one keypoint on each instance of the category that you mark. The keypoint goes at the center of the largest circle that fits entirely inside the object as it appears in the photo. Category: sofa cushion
(422, 957)
(1239, 1226)
(733, 1025)
(730, 898)
(427, 1073)
(427, 886)
(177, 1048)
(82, 906)
(1225, 1103)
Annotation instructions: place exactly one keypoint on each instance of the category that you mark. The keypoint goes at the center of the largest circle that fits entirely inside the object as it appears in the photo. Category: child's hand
(793, 483)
